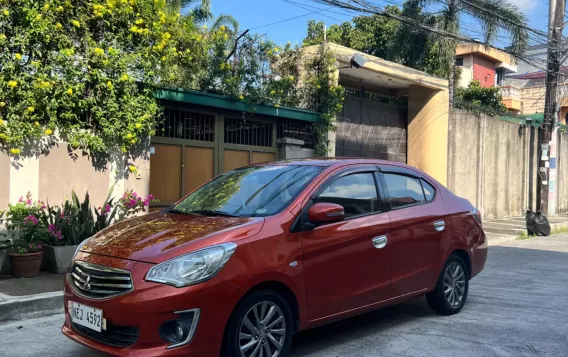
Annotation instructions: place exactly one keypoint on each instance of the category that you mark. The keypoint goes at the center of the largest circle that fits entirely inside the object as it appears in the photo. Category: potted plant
(71, 224)
(25, 220)
(4, 245)
(74, 221)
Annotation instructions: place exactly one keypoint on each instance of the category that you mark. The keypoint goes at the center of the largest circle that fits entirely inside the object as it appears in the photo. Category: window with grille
(181, 124)
(297, 129)
(248, 132)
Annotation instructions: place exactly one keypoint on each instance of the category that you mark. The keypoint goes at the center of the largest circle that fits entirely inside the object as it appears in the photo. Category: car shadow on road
(307, 342)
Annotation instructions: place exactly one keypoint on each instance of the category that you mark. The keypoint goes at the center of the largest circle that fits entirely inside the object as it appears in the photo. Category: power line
(305, 8)
(290, 19)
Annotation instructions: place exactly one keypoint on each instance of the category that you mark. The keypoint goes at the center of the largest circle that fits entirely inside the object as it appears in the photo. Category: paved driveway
(518, 307)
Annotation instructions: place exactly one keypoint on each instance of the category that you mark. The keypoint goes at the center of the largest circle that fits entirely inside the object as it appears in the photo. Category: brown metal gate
(372, 125)
(193, 146)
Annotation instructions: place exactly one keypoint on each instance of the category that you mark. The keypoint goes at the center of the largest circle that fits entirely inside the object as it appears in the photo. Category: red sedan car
(242, 263)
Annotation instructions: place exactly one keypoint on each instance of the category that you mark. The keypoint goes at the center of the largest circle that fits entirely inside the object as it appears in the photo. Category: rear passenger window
(429, 191)
(357, 194)
(404, 190)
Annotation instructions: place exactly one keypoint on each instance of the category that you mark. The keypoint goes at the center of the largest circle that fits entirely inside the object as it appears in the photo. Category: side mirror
(326, 213)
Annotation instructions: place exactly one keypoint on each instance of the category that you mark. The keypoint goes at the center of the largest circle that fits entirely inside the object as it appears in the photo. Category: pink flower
(31, 219)
(134, 194)
(62, 215)
(29, 202)
(21, 199)
(39, 246)
(146, 202)
(150, 198)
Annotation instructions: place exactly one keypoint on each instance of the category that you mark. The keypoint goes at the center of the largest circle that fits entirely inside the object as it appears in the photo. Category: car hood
(159, 236)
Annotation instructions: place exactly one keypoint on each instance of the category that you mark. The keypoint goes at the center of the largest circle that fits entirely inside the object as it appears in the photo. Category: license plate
(86, 316)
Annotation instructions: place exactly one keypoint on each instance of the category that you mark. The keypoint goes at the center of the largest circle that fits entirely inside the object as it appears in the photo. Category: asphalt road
(516, 307)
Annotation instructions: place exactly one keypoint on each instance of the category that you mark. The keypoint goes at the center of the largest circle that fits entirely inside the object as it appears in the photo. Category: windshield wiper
(206, 212)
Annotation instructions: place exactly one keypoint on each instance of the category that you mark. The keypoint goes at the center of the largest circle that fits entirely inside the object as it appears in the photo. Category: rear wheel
(261, 326)
(451, 291)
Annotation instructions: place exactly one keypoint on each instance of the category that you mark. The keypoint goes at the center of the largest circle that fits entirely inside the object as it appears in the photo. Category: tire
(265, 333)
(441, 300)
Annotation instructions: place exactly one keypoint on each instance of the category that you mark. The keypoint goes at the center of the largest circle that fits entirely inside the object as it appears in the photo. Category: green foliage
(486, 100)
(385, 38)
(71, 68)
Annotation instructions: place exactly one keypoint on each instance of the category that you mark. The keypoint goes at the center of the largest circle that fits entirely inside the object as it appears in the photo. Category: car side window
(429, 191)
(357, 193)
(404, 190)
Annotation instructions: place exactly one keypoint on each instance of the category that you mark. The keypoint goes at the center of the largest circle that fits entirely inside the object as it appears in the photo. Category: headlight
(79, 247)
(192, 268)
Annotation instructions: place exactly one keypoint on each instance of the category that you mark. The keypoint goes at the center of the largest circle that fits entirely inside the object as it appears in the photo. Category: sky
(262, 16)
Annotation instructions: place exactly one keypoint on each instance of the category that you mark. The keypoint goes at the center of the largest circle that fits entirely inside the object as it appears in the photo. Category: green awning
(224, 102)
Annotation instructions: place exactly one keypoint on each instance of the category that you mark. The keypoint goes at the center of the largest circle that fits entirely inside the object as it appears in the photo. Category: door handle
(439, 225)
(380, 242)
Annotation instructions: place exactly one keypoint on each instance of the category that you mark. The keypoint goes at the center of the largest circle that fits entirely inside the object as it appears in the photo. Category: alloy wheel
(263, 331)
(454, 284)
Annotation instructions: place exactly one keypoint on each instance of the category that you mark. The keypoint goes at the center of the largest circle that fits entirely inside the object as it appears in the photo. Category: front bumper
(149, 305)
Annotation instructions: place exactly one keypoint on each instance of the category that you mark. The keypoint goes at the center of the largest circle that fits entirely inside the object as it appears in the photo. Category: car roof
(334, 161)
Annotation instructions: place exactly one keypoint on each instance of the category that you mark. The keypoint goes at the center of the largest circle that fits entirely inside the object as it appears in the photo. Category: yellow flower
(199, 38)
(15, 151)
(140, 31)
(167, 36)
(134, 28)
(318, 86)
(123, 149)
(12, 84)
(1, 122)
(18, 56)
(163, 58)
(75, 23)
(99, 51)
(241, 97)
(138, 125)
(48, 131)
(222, 28)
(128, 136)
(139, 22)
(6, 12)
(69, 91)
(109, 85)
(2, 36)
(36, 123)
(124, 77)
(38, 17)
(132, 168)
(226, 37)
(58, 26)
(272, 92)
(2, 104)
(31, 109)
(276, 49)
(59, 9)
(276, 105)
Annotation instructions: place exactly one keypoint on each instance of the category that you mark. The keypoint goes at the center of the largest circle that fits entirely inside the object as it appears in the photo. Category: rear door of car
(418, 229)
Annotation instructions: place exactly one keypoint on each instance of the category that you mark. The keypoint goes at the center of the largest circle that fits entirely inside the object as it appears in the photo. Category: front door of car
(418, 230)
(347, 263)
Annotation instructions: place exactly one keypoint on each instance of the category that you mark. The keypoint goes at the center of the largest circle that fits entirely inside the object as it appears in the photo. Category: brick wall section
(483, 71)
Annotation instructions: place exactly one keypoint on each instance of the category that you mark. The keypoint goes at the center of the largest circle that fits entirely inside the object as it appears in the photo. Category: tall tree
(199, 9)
(493, 15)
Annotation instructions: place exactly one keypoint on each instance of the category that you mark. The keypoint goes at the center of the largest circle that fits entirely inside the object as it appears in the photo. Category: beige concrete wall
(428, 131)
(562, 174)
(488, 163)
(139, 182)
(533, 100)
(4, 180)
(60, 172)
(466, 71)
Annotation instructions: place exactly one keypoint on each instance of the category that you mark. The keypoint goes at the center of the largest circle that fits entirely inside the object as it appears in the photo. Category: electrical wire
(290, 19)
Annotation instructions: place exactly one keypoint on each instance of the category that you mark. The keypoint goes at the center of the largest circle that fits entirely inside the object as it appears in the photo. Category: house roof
(224, 102)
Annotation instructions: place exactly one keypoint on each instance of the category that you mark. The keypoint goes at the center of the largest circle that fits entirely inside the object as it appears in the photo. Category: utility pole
(556, 25)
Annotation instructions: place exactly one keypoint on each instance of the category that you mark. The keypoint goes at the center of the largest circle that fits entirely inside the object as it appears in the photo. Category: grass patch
(560, 229)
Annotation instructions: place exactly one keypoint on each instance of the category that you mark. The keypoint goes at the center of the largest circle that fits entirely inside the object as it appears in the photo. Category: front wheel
(261, 326)
(451, 291)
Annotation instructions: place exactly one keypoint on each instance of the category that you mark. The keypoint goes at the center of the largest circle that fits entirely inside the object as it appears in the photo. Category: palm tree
(493, 15)
(201, 12)
(225, 20)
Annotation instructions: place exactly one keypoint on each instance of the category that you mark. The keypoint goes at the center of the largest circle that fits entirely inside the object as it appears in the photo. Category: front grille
(117, 336)
(99, 282)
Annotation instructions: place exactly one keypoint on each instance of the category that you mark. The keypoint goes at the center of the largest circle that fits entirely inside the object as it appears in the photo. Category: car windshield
(250, 191)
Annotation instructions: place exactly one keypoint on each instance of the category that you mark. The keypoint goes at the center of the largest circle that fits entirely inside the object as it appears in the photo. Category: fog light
(180, 331)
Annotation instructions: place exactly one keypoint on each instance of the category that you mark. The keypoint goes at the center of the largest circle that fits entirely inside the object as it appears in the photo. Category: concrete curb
(25, 307)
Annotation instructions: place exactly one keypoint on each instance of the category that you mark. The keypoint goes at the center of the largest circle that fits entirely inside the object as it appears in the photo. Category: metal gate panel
(369, 128)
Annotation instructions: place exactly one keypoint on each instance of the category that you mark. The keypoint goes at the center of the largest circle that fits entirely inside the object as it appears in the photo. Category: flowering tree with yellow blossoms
(75, 68)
